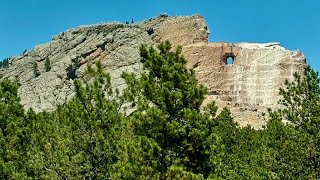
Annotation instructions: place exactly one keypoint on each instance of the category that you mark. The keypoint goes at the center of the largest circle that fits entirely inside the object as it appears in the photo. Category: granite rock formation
(248, 85)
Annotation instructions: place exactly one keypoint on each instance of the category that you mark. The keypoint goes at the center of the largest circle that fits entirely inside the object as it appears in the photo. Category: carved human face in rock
(202, 30)
(184, 31)
(205, 32)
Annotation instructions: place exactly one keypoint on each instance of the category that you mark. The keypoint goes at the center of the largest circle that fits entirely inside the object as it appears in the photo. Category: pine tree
(36, 71)
(47, 64)
(301, 100)
(13, 141)
(5, 63)
(288, 151)
(93, 118)
(301, 109)
(168, 99)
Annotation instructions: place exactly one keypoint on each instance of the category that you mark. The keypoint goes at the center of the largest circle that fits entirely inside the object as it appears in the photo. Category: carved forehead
(196, 22)
(183, 30)
(200, 23)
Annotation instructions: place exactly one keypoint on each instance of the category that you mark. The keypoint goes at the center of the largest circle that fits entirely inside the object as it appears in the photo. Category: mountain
(245, 77)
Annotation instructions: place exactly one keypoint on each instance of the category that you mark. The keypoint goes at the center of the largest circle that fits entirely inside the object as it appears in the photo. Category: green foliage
(5, 63)
(168, 84)
(12, 133)
(168, 98)
(288, 152)
(302, 101)
(241, 156)
(301, 141)
(166, 135)
(36, 71)
(47, 65)
(92, 121)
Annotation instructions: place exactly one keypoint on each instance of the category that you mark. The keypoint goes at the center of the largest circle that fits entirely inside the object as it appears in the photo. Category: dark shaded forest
(168, 135)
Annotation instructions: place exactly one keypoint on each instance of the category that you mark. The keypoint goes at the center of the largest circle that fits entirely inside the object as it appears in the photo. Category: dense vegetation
(167, 135)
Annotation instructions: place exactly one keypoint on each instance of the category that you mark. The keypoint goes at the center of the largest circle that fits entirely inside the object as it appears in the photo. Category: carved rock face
(248, 85)
(251, 83)
(183, 31)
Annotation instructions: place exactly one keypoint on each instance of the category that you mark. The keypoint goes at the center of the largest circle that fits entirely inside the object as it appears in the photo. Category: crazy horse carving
(248, 85)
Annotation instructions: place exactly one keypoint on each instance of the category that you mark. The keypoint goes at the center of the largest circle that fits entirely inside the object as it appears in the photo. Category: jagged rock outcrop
(248, 86)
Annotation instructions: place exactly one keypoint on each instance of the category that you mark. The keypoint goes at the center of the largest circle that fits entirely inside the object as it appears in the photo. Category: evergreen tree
(47, 64)
(36, 71)
(94, 119)
(241, 156)
(166, 135)
(301, 102)
(78, 140)
(288, 151)
(168, 98)
(5, 63)
(13, 141)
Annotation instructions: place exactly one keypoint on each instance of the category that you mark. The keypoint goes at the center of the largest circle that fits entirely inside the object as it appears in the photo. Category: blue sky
(294, 23)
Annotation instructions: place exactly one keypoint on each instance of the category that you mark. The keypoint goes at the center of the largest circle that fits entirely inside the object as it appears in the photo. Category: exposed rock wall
(251, 83)
(247, 86)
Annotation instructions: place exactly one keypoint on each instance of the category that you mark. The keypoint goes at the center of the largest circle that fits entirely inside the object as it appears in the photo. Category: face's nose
(207, 30)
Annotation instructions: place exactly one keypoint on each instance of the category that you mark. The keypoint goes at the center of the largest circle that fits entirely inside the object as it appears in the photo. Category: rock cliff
(248, 83)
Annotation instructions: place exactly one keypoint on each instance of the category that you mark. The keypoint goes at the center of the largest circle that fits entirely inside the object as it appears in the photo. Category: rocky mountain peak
(248, 85)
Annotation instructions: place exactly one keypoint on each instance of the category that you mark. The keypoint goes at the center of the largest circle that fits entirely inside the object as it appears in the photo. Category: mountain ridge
(239, 85)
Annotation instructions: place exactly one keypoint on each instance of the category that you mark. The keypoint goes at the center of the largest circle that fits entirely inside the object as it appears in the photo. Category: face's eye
(206, 28)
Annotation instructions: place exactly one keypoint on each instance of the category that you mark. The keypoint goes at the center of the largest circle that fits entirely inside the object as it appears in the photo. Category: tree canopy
(157, 129)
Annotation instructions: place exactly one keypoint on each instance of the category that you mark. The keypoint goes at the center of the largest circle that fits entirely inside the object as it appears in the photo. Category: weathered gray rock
(115, 45)
(247, 87)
